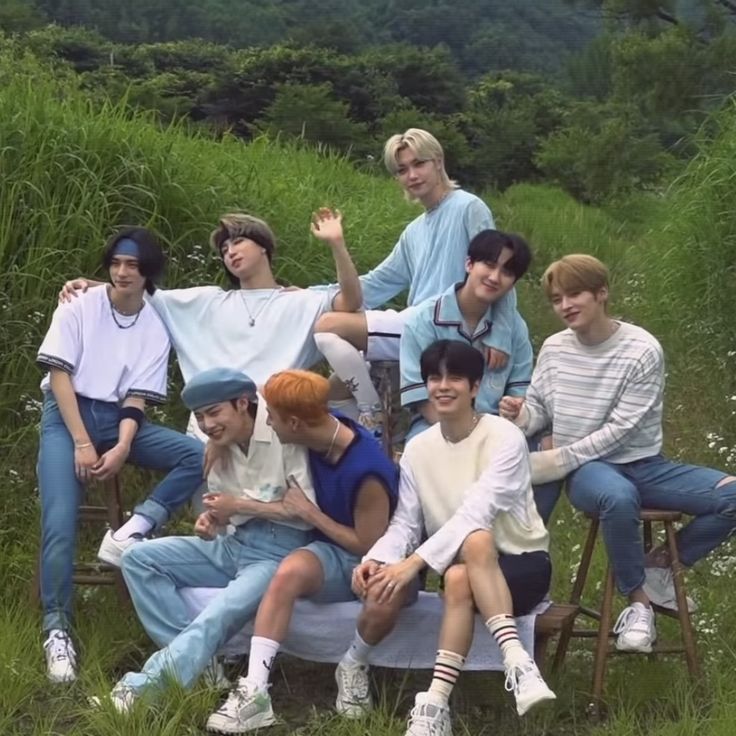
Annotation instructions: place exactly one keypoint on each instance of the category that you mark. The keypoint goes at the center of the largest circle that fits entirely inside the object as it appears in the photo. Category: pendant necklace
(253, 317)
(113, 309)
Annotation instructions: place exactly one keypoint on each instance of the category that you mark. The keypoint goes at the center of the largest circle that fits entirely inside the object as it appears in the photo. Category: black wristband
(132, 412)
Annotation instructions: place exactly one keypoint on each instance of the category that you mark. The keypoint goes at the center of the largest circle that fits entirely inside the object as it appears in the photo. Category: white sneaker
(353, 690)
(247, 708)
(525, 681)
(111, 549)
(61, 658)
(121, 697)
(660, 589)
(429, 717)
(214, 675)
(635, 629)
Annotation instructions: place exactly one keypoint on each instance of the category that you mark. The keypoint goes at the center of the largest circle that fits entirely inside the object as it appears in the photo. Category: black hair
(151, 258)
(252, 406)
(488, 244)
(453, 357)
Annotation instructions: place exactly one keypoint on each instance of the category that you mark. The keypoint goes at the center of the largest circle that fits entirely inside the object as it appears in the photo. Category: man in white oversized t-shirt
(107, 355)
(257, 326)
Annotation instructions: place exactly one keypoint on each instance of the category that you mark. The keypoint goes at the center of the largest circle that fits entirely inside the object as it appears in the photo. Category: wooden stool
(603, 632)
(96, 573)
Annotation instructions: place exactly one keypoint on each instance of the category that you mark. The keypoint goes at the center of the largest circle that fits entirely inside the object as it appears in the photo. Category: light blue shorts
(337, 566)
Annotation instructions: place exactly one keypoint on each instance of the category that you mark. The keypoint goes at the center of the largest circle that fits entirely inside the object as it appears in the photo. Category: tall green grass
(72, 171)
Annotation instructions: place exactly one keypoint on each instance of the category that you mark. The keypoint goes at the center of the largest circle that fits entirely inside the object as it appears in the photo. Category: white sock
(358, 652)
(350, 368)
(137, 524)
(262, 653)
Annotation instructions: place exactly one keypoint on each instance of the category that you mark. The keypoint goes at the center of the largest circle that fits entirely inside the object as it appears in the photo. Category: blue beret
(216, 385)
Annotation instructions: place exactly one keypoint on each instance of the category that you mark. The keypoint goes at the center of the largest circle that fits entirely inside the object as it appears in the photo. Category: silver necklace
(476, 417)
(334, 437)
(115, 319)
(253, 317)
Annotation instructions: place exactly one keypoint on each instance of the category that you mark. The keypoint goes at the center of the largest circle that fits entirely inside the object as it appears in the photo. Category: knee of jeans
(615, 500)
(726, 499)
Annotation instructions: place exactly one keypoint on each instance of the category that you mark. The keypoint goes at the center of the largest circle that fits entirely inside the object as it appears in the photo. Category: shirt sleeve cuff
(546, 466)
(414, 393)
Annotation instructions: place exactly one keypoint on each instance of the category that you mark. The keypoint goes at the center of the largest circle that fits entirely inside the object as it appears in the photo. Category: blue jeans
(242, 564)
(616, 492)
(154, 447)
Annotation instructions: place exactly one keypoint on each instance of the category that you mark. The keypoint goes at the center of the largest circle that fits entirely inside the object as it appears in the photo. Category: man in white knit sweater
(599, 384)
(465, 482)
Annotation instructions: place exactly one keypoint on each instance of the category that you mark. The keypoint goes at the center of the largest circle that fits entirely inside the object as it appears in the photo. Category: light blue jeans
(154, 447)
(242, 564)
(616, 493)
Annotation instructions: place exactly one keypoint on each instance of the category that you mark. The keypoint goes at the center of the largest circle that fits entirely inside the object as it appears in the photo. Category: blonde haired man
(427, 259)
(599, 385)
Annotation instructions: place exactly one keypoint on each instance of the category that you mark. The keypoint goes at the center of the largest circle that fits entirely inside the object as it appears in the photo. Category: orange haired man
(356, 492)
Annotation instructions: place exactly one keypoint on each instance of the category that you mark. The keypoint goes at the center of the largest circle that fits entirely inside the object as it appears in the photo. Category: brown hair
(575, 272)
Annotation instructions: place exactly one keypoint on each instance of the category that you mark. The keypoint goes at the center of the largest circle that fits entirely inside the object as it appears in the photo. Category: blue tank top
(336, 486)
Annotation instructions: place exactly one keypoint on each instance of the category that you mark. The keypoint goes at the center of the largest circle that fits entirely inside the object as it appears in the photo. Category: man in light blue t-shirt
(495, 262)
(428, 258)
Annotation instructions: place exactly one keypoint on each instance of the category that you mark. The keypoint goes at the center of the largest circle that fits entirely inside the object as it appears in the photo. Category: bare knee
(291, 580)
(384, 612)
(457, 586)
(479, 547)
(350, 326)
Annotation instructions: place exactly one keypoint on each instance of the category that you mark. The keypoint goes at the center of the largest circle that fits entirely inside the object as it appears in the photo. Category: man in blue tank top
(356, 488)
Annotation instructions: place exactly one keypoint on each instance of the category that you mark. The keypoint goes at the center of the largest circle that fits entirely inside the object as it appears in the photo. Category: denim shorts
(337, 566)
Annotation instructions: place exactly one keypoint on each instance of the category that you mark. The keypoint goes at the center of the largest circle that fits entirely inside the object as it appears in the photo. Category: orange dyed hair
(300, 394)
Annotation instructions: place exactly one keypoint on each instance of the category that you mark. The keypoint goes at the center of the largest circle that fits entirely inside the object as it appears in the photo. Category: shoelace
(352, 680)
(422, 719)
(633, 619)
(60, 650)
(124, 693)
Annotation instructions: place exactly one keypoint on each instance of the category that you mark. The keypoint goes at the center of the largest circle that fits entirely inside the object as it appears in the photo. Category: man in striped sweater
(599, 385)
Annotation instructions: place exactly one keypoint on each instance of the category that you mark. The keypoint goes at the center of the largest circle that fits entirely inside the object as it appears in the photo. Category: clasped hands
(88, 465)
(385, 580)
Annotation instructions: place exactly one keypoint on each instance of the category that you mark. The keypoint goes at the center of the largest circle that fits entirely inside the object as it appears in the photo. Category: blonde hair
(423, 145)
(297, 393)
(575, 272)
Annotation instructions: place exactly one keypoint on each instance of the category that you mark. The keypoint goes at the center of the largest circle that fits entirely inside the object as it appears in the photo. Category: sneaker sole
(61, 680)
(217, 725)
(635, 649)
(524, 708)
(353, 711)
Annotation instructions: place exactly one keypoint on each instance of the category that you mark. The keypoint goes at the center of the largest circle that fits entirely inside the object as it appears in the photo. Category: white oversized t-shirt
(105, 362)
(211, 328)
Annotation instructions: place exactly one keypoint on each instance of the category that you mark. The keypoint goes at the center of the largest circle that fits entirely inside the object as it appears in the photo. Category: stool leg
(114, 503)
(577, 592)
(601, 648)
(686, 627)
(647, 535)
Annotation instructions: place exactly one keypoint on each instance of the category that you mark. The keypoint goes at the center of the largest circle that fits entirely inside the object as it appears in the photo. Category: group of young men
(302, 502)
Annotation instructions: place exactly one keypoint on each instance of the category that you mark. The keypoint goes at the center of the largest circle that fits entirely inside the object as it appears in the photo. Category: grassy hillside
(71, 172)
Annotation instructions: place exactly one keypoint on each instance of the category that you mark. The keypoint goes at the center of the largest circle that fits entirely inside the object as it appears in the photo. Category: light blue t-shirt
(430, 257)
(441, 319)
(257, 331)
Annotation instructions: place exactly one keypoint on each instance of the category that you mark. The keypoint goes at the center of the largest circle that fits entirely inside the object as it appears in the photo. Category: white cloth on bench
(322, 632)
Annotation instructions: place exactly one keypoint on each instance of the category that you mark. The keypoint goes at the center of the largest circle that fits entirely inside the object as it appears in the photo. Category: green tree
(311, 112)
(603, 151)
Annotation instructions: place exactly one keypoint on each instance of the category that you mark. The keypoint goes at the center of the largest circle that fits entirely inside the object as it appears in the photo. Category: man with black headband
(107, 355)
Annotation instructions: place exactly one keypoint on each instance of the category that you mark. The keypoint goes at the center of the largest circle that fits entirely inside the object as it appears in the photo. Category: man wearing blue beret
(246, 486)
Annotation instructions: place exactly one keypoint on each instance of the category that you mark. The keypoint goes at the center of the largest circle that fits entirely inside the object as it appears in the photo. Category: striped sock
(503, 629)
(447, 668)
